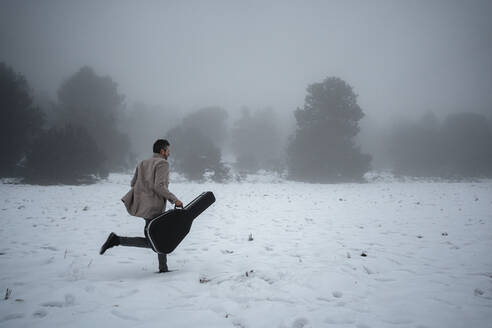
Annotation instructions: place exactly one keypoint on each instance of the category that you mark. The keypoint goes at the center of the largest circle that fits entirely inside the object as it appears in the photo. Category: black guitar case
(167, 230)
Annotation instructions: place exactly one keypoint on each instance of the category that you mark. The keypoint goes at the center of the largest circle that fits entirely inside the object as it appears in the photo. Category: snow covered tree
(323, 148)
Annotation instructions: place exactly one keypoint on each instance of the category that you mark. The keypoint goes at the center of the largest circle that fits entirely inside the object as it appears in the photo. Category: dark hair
(160, 144)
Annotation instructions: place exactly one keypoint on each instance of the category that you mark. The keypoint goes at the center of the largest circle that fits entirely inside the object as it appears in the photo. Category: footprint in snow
(300, 323)
(50, 248)
(40, 313)
(337, 294)
(339, 321)
(129, 293)
(49, 260)
(53, 304)
(452, 246)
(362, 325)
(402, 321)
(478, 292)
(123, 316)
(69, 300)
(12, 317)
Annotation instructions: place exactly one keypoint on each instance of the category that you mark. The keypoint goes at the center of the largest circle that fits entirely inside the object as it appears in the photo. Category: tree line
(87, 132)
(80, 143)
(458, 146)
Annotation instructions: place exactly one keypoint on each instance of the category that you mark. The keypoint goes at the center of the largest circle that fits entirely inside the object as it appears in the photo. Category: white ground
(428, 262)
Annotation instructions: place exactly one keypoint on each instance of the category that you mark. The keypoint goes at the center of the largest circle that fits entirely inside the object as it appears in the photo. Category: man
(147, 198)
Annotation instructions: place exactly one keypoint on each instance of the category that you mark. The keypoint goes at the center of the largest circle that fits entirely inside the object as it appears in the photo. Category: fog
(402, 58)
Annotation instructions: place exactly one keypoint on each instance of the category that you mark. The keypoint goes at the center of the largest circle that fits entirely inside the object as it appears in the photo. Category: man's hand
(178, 203)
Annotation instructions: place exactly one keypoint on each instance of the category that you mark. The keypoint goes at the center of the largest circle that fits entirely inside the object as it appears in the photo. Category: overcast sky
(400, 56)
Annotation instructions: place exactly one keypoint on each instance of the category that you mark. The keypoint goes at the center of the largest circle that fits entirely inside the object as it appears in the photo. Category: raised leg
(135, 242)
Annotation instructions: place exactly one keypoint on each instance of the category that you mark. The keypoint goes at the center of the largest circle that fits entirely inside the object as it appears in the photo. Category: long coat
(149, 192)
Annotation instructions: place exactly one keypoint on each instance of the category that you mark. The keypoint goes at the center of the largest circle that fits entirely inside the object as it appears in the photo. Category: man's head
(161, 146)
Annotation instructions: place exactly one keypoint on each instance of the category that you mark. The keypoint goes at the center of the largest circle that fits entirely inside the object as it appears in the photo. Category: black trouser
(145, 243)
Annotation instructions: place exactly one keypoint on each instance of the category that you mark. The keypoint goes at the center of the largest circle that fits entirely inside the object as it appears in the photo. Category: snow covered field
(428, 260)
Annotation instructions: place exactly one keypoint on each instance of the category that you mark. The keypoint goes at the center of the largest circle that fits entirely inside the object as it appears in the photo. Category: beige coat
(148, 195)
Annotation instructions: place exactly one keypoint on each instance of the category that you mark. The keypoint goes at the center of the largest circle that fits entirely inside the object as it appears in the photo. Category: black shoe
(113, 240)
(164, 270)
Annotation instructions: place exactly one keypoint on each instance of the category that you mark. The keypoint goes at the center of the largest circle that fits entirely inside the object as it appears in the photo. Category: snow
(427, 263)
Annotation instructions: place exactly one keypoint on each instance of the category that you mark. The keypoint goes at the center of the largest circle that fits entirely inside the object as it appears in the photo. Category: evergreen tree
(467, 146)
(256, 141)
(416, 147)
(210, 121)
(193, 149)
(64, 155)
(21, 120)
(93, 102)
(459, 147)
(323, 147)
